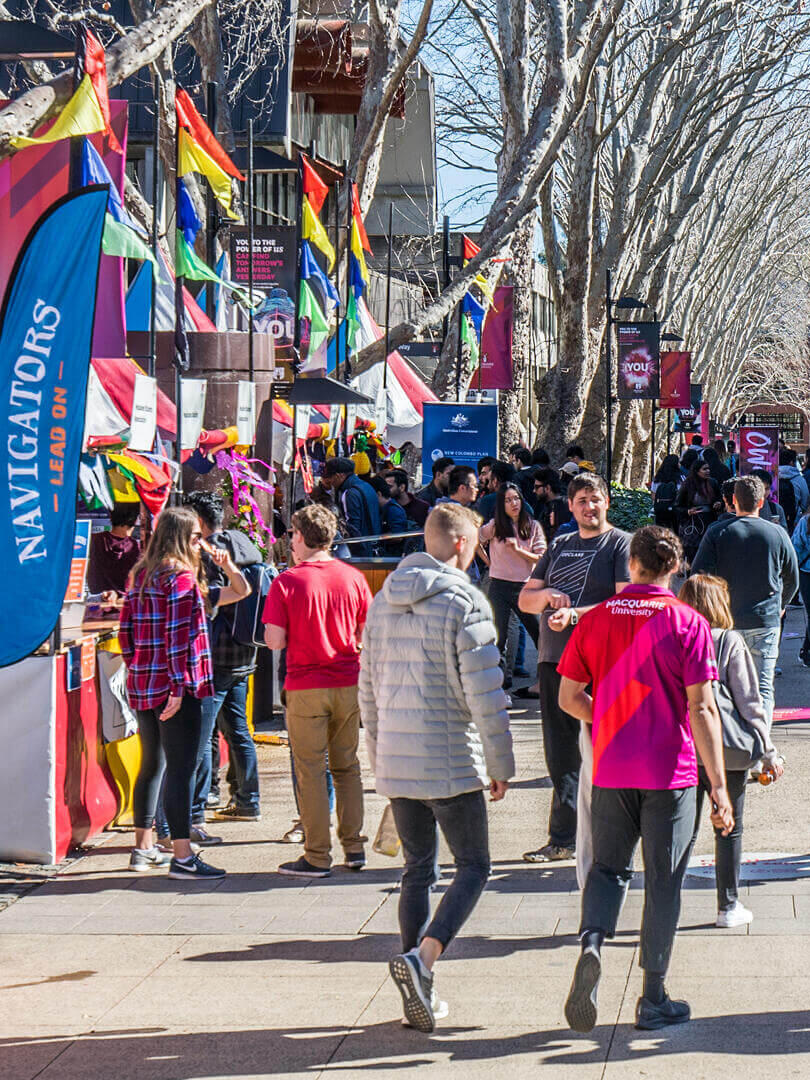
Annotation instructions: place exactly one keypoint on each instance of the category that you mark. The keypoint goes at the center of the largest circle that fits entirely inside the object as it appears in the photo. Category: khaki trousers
(321, 721)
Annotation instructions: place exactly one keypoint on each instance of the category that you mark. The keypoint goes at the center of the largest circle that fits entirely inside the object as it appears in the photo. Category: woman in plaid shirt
(164, 642)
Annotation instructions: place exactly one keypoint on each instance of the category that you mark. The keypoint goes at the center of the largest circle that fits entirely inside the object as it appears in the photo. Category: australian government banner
(463, 432)
(46, 327)
(639, 360)
(676, 371)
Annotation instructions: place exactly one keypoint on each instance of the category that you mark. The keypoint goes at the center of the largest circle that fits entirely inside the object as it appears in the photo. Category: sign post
(461, 431)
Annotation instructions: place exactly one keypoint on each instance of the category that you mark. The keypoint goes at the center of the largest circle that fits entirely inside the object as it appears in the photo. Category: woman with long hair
(516, 542)
(665, 491)
(717, 469)
(735, 670)
(164, 642)
(698, 503)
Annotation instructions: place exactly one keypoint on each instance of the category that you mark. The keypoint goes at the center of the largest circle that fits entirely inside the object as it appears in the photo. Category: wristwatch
(574, 617)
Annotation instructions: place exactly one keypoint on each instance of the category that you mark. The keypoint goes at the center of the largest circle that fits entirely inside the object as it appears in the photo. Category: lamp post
(624, 303)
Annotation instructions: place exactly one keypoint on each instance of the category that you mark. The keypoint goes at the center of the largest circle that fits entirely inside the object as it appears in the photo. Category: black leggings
(727, 849)
(503, 598)
(168, 746)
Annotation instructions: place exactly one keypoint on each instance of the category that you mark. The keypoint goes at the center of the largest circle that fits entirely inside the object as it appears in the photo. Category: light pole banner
(639, 360)
(143, 422)
(759, 449)
(193, 405)
(496, 343)
(46, 328)
(676, 371)
(246, 413)
(463, 432)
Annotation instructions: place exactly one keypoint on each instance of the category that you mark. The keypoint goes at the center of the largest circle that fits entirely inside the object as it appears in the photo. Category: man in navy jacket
(357, 501)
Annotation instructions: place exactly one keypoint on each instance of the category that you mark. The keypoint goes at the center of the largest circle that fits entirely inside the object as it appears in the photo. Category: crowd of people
(648, 700)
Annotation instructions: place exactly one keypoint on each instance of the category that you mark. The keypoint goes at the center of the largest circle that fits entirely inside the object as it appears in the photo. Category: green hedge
(630, 508)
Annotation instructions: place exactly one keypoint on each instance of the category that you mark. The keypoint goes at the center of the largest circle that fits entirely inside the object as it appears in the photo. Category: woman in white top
(516, 542)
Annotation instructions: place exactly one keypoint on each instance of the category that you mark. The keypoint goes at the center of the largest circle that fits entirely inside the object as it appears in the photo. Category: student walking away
(317, 610)
(796, 505)
(516, 542)
(578, 571)
(649, 663)
(801, 543)
(746, 738)
(665, 491)
(437, 733)
(357, 503)
(758, 563)
(697, 506)
(224, 551)
(113, 553)
(164, 642)
(392, 516)
(437, 488)
(771, 509)
(416, 510)
(717, 469)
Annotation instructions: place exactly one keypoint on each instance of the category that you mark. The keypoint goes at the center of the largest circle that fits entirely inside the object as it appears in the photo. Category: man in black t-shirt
(578, 571)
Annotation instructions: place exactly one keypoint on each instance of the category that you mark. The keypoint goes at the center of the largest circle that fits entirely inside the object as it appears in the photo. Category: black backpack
(787, 500)
(248, 628)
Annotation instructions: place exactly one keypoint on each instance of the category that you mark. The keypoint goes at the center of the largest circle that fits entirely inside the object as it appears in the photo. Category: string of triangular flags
(474, 311)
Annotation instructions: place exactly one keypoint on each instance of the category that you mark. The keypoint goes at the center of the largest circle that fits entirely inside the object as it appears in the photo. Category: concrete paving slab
(49, 956)
(75, 1003)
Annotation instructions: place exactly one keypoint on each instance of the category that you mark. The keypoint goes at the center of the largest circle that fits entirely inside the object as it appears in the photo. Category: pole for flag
(153, 239)
(75, 153)
(458, 339)
(179, 316)
(445, 267)
(388, 291)
(347, 367)
(211, 205)
(250, 246)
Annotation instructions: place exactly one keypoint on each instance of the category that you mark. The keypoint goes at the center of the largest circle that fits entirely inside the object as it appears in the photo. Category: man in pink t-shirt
(649, 662)
(317, 610)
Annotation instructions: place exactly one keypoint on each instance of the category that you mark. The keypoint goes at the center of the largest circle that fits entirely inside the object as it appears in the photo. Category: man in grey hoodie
(437, 732)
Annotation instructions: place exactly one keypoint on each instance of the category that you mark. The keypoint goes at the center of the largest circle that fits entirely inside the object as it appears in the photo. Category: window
(791, 425)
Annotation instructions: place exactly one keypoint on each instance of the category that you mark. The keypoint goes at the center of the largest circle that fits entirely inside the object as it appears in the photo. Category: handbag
(743, 744)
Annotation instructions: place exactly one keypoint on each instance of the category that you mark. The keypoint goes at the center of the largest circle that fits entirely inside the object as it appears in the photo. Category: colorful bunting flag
(470, 339)
(312, 230)
(308, 308)
(188, 264)
(469, 251)
(94, 171)
(191, 157)
(357, 261)
(358, 217)
(122, 241)
(314, 188)
(188, 221)
(311, 272)
(81, 116)
(95, 65)
(199, 132)
(352, 322)
(476, 312)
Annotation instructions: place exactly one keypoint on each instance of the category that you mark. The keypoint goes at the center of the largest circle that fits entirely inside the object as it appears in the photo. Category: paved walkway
(108, 974)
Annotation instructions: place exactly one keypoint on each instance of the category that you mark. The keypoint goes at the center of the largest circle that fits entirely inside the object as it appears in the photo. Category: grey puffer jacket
(431, 695)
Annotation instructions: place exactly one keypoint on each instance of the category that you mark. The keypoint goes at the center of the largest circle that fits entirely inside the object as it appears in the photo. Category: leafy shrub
(630, 508)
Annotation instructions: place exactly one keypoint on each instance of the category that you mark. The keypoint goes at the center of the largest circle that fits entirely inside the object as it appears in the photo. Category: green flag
(125, 243)
(470, 339)
(188, 264)
(309, 308)
(352, 322)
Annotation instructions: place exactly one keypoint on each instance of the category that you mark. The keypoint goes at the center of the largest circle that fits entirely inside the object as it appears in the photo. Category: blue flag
(188, 221)
(46, 330)
(476, 311)
(316, 278)
(94, 171)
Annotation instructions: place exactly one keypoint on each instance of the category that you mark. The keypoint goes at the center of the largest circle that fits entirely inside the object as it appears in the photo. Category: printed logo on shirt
(629, 606)
(569, 573)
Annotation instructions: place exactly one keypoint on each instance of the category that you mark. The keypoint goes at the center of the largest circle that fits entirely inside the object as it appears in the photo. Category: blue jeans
(463, 821)
(763, 644)
(227, 709)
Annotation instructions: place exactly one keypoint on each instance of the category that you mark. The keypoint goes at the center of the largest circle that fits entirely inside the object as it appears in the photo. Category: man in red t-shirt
(317, 610)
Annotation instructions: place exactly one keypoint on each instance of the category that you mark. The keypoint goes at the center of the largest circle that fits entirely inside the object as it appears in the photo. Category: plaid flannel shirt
(164, 640)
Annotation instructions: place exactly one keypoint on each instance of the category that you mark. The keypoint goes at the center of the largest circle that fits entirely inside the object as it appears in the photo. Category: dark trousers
(664, 822)
(227, 711)
(727, 849)
(563, 761)
(463, 822)
(503, 596)
(169, 746)
(804, 592)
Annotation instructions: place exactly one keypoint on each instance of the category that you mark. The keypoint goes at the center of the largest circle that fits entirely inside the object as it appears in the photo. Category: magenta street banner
(639, 357)
(46, 327)
(759, 449)
(686, 418)
(496, 344)
(676, 371)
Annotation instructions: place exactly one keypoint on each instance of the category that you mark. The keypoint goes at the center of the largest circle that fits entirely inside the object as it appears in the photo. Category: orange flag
(314, 188)
(358, 217)
(200, 132)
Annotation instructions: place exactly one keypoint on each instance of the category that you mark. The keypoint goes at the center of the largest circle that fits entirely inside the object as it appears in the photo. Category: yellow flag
(81, 116)
(357, 250)
(192, 158)
(312, 230)
(486, 289)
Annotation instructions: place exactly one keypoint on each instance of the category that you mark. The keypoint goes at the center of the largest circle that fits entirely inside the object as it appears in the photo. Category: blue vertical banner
(462, 432)
(46, 329)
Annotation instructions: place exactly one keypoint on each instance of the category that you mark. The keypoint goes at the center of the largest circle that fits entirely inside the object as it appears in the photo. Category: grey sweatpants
(663, 821)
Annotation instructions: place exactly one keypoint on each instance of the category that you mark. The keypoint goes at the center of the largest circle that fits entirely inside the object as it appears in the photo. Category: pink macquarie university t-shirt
(640, 650)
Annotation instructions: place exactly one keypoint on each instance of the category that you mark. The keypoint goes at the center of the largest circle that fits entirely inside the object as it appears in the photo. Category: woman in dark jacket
(698, 503)
(717, 469)
(665, 490)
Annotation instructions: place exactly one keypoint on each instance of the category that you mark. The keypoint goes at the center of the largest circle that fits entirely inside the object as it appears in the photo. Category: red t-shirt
(323, 607)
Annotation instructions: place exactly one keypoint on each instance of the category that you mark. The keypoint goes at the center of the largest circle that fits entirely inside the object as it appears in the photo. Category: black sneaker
(650, 1016)
(232, 812)
(200, 835)
(415, 983)
(195, 869)
(302, 868)
(355, 860)
(580, 1008)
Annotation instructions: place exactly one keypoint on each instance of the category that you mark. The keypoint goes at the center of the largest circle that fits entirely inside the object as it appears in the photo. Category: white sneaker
(736, 915)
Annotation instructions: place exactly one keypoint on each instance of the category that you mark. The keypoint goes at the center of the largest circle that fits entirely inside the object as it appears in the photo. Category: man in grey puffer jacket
(437, 731)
